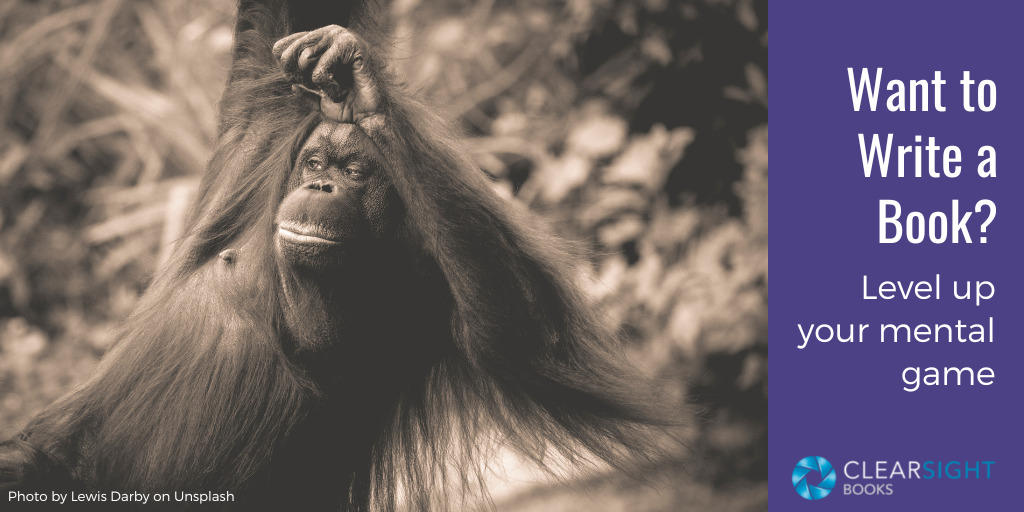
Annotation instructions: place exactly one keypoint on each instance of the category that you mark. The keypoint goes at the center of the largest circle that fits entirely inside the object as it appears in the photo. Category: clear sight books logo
(821, 471)
(815, 477)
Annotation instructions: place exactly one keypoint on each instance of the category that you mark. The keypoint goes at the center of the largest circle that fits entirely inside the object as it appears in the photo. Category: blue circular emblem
(818, 468)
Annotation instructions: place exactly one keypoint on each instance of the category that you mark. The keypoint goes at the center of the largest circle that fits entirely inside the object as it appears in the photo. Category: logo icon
(822, 474)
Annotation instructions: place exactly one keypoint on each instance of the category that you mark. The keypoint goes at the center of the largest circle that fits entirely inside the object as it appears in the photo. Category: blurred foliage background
(638, 127)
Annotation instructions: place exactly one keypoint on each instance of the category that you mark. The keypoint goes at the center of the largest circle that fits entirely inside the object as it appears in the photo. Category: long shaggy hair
(473, 324)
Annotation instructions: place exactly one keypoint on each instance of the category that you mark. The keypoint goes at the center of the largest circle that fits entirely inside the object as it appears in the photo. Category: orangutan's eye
(315, 164)
(357, 174)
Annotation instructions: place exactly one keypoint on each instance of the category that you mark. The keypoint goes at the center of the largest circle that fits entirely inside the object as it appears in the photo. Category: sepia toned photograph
(373, 255)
